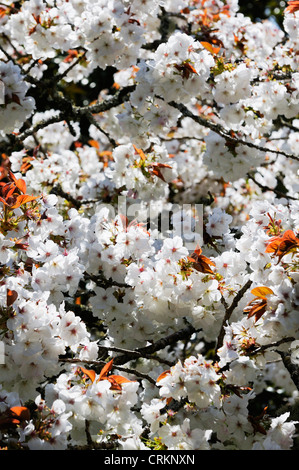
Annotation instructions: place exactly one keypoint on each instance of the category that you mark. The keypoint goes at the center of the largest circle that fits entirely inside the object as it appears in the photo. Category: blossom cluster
(149, 237)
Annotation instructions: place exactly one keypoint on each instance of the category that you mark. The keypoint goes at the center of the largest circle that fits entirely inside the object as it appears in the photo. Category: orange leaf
(107, 368)
(8, 190)
(11, 296)
(282, 244)
(23, 199)
(164, 374)
(161, 165)
(94, 143)
(119, 379)
(20, 183)
(114, 385)
(262, 292)
(210, 48)
(89, 372)
(200, 262)
(198, 250)
(293, 6)
(186, 68)
(116, 381)
(140, 153)
(156, 172)
(19, 413)
(256, 308)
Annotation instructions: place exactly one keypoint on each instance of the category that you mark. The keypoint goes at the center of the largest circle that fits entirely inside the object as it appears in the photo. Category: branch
(144, 352)
(135, 353)
(68, 111)
(93, 121)
(101, 281)
(229, 310)
(61, 76)
(41, 125)
(292, 368)
(120, 97)
(162, 343)
(220, 131)
(267, 188)
(58, 191)
(264, 347)
(103, 363)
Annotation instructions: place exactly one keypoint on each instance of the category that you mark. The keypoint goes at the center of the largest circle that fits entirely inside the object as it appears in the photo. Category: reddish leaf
(119, 379)
(94, 143)
(156, 172)
(282, 244)
(114, 385)
(164, 374)
(14, 416)
(19, 413)
(293, 6)
(262, 292)
(11, 296)
(256, 308)
(210, 48)
(90, 373)
(200, 262)
(15, 99)
(23, 199)
(140, 153)
(186, 68)
(116, 381)
(107, 368)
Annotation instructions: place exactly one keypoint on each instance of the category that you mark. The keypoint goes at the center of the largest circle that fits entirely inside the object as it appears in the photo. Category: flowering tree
(149, 226)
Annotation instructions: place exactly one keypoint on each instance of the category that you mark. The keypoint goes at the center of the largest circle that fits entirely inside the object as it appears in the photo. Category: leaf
(94, 143)
(256, 308)
(161, 165)
(23, 199)
(18, 414)
(124, 220)
(120, 379)
(293, 6)
(107, 368)
(156, 172)
(20, 183)
(282, 244)
(114, 385)
(186, 68)
(11, 296)
(210, 48)
(262, 292)
(164, 374)
(200, 262)
(89, 372)
(15, 99)
(140, 153)
(116, 381)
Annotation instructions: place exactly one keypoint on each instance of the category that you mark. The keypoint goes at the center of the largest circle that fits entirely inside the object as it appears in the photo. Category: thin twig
(127, 370)
(229, 310)
(220, 131)
(267, 188)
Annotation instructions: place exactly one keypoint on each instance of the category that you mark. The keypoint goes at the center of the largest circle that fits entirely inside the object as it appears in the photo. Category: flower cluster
(15, 105)
(149, 228)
